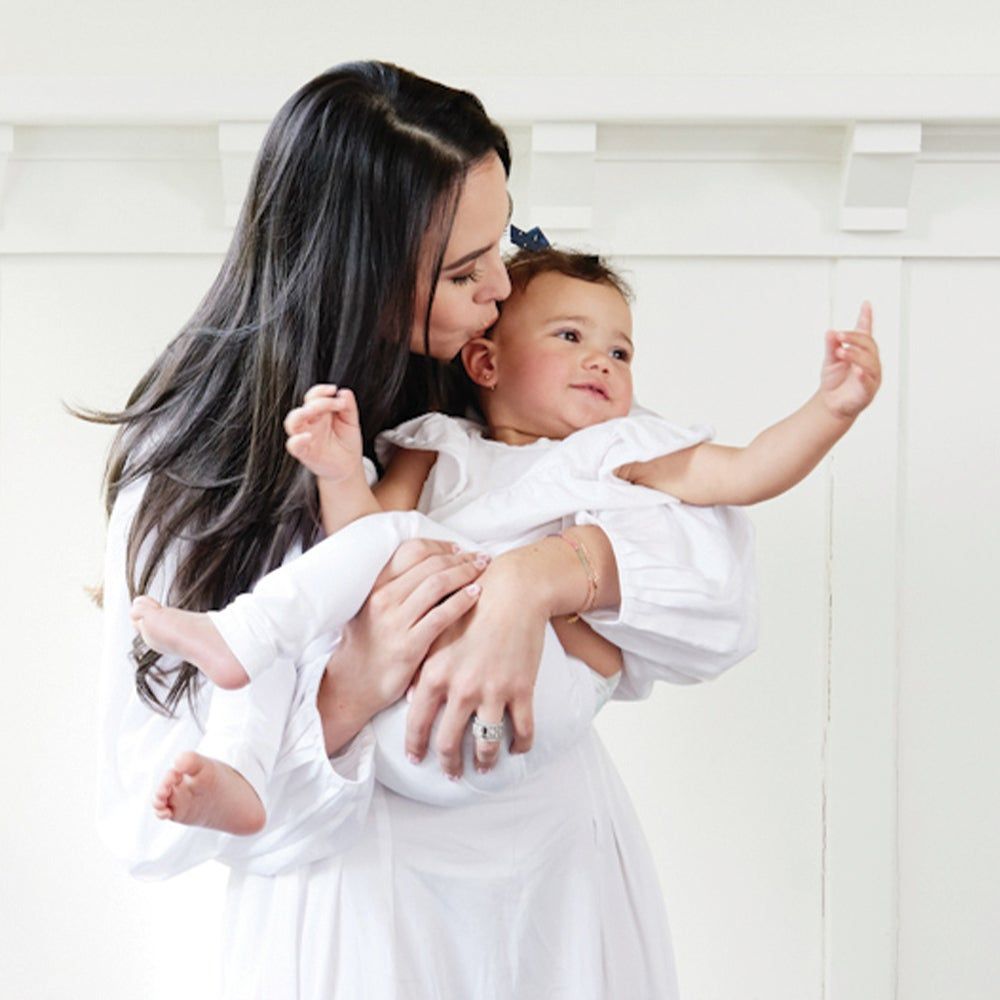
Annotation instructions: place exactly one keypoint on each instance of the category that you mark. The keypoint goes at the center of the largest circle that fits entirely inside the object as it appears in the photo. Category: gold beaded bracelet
(588, 568)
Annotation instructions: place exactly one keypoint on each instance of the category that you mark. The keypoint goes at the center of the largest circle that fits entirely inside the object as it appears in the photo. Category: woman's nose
(495, 286)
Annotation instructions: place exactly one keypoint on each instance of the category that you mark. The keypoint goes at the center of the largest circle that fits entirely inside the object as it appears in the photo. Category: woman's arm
(424, 589)
(488, 661)
(688, 609)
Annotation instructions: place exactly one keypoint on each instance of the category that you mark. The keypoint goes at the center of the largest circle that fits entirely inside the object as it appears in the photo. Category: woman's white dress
(544, 890)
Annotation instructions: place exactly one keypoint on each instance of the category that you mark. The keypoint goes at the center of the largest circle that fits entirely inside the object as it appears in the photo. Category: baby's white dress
(539, 890)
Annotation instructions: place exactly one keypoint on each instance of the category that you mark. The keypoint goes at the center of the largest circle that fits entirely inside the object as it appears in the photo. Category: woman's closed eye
(469, 277)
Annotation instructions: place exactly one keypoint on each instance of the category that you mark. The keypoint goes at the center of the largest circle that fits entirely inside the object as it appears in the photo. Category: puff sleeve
(688, 607)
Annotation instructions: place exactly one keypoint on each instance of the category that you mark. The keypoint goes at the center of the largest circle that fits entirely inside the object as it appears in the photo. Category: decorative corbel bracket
(879, 158)
(562, 175)
(6, 148)
(238, 146)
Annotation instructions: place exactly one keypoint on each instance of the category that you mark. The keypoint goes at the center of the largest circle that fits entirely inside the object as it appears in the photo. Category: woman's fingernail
(482, 560)
(453, 777)
(456, 548)
(412, 757)
(473, 589)
(482, 769)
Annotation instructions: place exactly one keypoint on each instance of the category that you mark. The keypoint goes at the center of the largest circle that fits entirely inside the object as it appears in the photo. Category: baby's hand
(324, 434)
(852, 371)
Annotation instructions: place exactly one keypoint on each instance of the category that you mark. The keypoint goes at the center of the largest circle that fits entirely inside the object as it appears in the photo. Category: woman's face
(473, 278)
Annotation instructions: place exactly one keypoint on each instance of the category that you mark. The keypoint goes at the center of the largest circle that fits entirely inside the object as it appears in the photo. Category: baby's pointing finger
(864, 323)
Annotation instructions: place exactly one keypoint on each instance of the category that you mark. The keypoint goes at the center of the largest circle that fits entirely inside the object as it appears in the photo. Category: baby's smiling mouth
(594, 388)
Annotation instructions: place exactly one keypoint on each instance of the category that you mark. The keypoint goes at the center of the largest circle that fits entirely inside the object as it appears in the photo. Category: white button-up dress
(542, 890)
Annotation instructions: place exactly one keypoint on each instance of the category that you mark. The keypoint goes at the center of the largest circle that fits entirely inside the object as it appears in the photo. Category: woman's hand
(487, 661)
(384, 644)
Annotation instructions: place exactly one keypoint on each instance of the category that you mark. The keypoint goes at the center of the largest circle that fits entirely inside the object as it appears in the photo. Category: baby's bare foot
(191, 635)
(200, 791)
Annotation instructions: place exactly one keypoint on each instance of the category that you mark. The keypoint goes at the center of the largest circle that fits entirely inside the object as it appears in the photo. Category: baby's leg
(318, 592)
(223, 786)
(191, 636)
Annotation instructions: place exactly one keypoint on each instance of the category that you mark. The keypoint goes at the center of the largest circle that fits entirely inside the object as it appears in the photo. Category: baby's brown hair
(526, 265)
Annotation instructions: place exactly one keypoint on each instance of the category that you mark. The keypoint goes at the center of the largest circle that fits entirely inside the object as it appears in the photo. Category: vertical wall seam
(825, 973)
(900, 559)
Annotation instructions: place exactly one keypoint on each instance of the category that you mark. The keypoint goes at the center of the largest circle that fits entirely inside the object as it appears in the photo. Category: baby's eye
(465, 279)
(570, 335)
(620, 354)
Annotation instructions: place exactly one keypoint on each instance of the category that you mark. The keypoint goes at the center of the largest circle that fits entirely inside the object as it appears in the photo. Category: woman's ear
(479, 358)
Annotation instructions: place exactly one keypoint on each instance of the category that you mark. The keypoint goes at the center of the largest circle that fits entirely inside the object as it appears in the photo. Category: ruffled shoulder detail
(598, 450)
(449, 436)
(642, 436)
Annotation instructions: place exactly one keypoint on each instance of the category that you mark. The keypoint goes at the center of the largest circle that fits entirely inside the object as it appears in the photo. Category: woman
(367, 253)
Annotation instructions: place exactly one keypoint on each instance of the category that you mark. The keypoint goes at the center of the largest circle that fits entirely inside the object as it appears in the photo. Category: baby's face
(563, 357)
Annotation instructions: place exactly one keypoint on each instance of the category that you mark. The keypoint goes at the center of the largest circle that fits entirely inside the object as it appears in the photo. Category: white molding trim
(563, 156)
(516, 98)
(877, 175)
(238, 146)
(564, 137)
(562, 218)
(860, 782)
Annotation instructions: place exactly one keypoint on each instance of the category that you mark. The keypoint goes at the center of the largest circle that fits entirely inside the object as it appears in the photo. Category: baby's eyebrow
(585, 321)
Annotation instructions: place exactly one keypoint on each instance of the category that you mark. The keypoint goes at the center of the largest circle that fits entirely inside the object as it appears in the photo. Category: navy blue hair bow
(531, 239)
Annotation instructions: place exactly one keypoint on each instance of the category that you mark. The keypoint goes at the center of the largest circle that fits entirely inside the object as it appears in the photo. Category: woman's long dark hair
(358, 175)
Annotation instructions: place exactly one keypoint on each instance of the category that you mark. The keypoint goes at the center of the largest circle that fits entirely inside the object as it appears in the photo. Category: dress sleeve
(316, 805)
(688, 592)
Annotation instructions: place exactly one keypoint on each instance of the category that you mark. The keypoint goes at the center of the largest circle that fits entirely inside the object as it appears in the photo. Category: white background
(825, 817)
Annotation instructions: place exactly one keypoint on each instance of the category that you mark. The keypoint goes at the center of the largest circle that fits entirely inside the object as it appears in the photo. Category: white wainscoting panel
(824, 817)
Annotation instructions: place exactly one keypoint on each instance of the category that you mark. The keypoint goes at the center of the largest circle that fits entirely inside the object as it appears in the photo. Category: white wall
(254, 38)
(824, 818)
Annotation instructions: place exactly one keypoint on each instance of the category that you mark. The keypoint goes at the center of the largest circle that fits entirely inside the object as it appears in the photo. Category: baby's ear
(479, 358)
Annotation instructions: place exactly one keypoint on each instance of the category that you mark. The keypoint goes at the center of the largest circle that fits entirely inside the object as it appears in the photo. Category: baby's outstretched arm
(785, 453)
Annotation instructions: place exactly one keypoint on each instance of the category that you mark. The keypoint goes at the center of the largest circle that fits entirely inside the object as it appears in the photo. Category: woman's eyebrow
(478, 253)
(465, 260)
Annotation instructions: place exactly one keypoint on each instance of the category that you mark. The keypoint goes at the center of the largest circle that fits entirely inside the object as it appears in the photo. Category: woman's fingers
(427, 699)
(487, 751)
(455, 719)
(456, 567)
(435, 620)
(439, 584)
(522, 720)
(413, 552)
